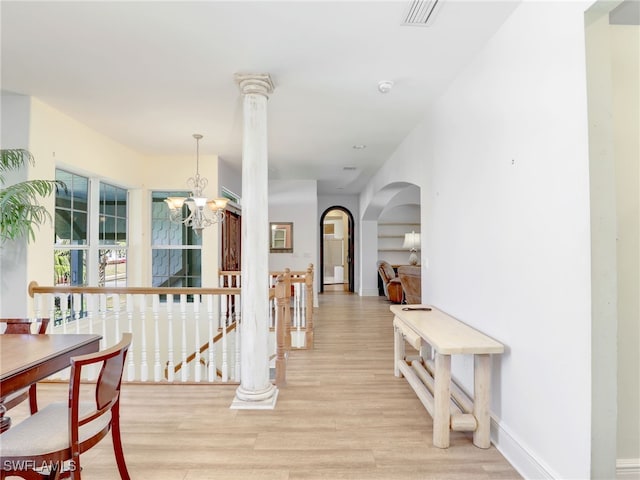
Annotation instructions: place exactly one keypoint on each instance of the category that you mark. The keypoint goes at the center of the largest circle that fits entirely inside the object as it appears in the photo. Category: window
(90, 245)
(176, 249)
(71, 222)
(112, 266)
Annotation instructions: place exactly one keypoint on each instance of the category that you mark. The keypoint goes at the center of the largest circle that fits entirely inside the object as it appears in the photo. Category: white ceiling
(150, 73)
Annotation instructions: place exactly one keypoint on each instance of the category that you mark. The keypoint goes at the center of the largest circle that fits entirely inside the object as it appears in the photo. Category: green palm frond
(14, 159)
(20, 210)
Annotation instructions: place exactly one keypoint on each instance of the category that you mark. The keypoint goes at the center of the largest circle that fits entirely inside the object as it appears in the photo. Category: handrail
(35, 288)
(292, 307)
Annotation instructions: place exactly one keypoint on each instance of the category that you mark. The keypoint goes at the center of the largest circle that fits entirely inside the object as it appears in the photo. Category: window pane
(113, 214)
(113, 268)
(165, 232)
(71, 209)
(79, 229)
(176, 268)
(69, 267)
(61, 267)
(121, 230)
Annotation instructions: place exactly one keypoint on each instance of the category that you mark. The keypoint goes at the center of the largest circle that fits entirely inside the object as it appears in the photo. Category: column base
(255, 401)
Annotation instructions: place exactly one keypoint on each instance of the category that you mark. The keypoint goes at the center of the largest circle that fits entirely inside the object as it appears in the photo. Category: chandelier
(201, 212)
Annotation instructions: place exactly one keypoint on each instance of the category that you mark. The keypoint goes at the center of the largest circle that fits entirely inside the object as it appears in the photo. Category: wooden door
(231, 241)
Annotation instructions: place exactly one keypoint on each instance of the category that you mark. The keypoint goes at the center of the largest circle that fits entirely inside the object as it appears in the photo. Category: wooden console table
(437, 336)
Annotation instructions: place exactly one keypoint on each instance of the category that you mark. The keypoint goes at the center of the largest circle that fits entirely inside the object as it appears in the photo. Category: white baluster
(225, 364)
(37, 306)
(144, 366)
(236, 375)
(170, 365)
(131, 367)
(303, 305)
(64, 305)
(196, 361)
(184, 372)
(52, 311)
(157, 367)
(272, 310)
(103, 318)
(224, 307)
(115, 299)
(211, 364)
(76, 309)
(91, 312)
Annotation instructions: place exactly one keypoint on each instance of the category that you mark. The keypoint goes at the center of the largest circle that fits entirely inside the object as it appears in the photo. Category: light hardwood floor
(343, 415)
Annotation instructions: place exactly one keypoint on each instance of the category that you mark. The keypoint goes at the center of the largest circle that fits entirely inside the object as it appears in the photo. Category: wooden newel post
(282, 307)
(308, 283)
(286, 280)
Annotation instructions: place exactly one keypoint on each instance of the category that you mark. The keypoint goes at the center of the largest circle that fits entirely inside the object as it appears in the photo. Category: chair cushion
(48, 431)
(387, 270)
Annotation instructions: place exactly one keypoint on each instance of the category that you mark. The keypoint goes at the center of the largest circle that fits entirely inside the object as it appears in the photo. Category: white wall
(296, 201)
(625, 60)
(14, 133)
(503, 162)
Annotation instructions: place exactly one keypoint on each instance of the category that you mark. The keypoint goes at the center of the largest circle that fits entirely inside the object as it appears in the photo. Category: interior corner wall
(14, 133)
(504, 163)
(296, 201)
(603, 228)
(229, 177)
(625, 62)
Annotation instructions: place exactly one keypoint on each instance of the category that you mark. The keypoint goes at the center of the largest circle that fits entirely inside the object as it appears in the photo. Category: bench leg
(441, 399)
(398, 350)
(481, 401)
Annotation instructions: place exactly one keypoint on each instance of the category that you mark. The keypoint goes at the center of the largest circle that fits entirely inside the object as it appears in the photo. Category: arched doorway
(336, 249)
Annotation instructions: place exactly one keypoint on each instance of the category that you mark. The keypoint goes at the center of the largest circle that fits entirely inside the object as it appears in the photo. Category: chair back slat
(110, 377)
(23, 325)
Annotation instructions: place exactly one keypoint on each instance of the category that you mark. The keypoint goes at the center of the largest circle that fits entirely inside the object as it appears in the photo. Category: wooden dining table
(27, 359)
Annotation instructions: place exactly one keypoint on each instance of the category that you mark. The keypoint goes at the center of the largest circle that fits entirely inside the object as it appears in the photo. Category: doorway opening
(336, 250)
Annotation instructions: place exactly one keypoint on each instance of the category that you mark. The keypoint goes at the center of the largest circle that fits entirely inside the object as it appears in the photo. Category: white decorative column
(256, 390)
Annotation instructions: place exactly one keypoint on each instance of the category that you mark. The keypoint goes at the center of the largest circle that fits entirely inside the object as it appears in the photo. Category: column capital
(258, 83)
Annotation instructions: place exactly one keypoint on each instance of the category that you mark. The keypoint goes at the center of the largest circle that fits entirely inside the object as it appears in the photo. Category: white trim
(628, 468)
(518, 455)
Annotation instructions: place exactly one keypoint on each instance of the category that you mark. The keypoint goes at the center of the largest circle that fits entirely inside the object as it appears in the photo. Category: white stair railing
(157, 324)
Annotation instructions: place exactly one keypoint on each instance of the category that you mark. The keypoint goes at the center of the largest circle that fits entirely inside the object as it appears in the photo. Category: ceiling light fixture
(385, 86)
(201, 212)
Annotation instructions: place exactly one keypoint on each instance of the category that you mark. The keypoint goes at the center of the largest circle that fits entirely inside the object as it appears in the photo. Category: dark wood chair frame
(107, 399)
(22, 326)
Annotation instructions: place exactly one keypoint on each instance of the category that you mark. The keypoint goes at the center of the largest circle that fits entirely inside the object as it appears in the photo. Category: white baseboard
(628, 468)
(517, 454)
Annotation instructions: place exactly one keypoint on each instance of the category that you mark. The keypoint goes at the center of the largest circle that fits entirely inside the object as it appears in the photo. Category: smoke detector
(385, 86)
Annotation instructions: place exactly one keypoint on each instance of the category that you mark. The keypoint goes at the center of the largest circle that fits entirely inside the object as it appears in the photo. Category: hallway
(342, 415)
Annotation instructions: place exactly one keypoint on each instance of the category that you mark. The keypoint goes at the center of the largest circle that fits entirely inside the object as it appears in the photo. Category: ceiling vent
(421, 12)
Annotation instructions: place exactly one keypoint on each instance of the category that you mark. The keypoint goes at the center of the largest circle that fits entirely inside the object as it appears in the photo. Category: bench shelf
(437, 336)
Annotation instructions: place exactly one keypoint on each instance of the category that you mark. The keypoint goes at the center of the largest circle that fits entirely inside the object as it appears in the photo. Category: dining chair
(57, 435)
(17, 326)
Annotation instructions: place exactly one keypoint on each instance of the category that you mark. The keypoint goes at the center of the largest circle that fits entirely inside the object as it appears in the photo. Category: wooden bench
(437, 336)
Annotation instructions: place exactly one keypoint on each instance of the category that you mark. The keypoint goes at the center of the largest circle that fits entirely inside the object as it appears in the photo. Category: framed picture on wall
(281, 237)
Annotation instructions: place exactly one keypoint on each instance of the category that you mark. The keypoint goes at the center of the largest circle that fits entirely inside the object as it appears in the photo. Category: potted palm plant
(20, 210)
